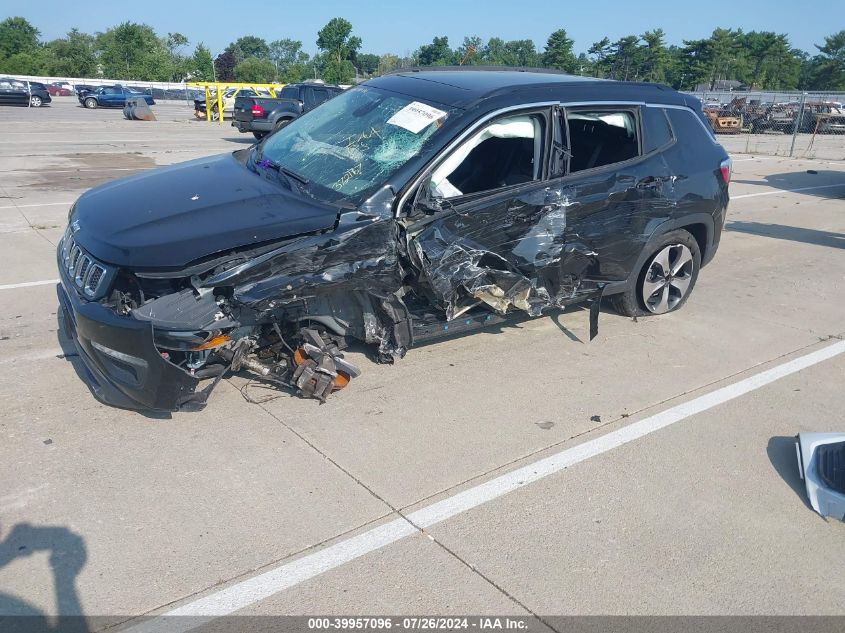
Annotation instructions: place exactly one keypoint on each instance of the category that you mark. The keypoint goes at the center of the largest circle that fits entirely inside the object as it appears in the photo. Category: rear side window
(656, 129)
(290, 92)
(688, 127)
(600, 137)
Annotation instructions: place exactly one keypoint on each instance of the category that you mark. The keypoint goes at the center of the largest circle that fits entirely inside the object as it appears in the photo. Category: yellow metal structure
(216, 89)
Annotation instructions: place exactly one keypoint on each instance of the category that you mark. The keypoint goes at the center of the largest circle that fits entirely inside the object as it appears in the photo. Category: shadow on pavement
(826, 178)
(67, 558)
(791, 233)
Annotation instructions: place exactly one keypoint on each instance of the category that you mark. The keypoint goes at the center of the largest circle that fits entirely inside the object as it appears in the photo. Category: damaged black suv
(414, 206)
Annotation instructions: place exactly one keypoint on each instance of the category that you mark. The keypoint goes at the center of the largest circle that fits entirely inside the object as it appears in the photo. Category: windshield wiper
(292, 174)
(266, 163)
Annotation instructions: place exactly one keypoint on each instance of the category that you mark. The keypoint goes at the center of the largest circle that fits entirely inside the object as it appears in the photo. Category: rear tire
(280, 124)
(666, 280)
(91, 103)
(35, 101)
(259, 135)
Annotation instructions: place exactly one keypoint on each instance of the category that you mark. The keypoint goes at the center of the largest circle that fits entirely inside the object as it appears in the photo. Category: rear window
(657, 129)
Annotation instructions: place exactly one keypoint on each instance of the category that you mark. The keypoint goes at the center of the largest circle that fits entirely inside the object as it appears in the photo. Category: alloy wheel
(667, 278)
(35, 101)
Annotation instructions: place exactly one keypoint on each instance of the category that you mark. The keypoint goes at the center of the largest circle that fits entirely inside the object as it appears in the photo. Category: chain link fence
(797, 124)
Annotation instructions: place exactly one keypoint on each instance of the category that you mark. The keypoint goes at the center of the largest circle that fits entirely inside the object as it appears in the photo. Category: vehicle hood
(170, 217)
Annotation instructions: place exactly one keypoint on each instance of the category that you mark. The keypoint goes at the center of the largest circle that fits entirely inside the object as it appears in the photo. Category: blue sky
(402, 27)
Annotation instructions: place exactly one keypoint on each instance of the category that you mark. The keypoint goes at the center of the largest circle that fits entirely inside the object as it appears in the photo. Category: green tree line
(757, 59)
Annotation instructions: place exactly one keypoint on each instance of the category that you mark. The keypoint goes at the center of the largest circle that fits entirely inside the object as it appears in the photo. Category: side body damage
(405, 264)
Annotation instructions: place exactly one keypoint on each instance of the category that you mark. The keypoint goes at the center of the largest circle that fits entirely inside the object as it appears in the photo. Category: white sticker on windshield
(416, 116)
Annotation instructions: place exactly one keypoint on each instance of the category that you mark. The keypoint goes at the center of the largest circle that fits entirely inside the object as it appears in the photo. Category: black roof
(465, 87)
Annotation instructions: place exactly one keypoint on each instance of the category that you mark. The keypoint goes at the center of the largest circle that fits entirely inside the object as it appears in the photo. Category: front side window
(601, 136)
(354, 143)
(507, 151)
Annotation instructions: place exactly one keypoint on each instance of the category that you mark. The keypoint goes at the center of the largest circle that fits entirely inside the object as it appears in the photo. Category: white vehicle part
(821, 458)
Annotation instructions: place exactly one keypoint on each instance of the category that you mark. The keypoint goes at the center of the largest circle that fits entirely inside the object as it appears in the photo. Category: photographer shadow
(67, 558)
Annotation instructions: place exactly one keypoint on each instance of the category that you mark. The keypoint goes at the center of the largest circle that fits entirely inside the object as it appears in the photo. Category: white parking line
(27, 284)
(774, 193)
(252, 590)
(42, 204)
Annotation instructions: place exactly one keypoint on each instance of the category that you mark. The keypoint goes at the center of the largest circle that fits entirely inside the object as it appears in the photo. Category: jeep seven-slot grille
(87, 273)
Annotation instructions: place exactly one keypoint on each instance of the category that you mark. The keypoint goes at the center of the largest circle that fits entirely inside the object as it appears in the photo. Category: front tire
(91, 103)
(666, 280)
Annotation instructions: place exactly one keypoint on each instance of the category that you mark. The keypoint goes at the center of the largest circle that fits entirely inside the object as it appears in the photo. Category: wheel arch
(281, 116)
(699, 225)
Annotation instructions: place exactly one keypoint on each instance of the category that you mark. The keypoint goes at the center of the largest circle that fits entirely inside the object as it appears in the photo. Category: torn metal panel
(821, 464)
(350, 280)
(518, 253)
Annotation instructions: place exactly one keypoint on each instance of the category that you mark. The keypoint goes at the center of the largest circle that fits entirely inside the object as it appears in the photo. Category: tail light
(257, 110)
(725, 168)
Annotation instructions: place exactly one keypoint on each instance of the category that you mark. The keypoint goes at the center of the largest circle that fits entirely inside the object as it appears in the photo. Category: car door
(112, 96)
(104, 96)
(5, 91)
(486, 227)
(19, 92)
(615, 187)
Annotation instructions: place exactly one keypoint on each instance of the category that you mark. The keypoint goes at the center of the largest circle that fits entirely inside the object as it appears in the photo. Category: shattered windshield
(350, 145)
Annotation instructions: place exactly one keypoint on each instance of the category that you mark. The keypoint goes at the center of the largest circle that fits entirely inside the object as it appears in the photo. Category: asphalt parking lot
(523, 470)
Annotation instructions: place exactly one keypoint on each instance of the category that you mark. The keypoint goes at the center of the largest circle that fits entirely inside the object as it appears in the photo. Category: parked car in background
(228, 98)
(59, 89)
(23, 93)
(418, 205)
(110, 97)
(262, 115)
(39, 95)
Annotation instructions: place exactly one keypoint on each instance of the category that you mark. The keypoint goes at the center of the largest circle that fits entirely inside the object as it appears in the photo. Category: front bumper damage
(121, 364)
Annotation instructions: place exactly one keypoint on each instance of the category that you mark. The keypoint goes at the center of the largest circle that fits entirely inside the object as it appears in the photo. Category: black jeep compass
(414, 206)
